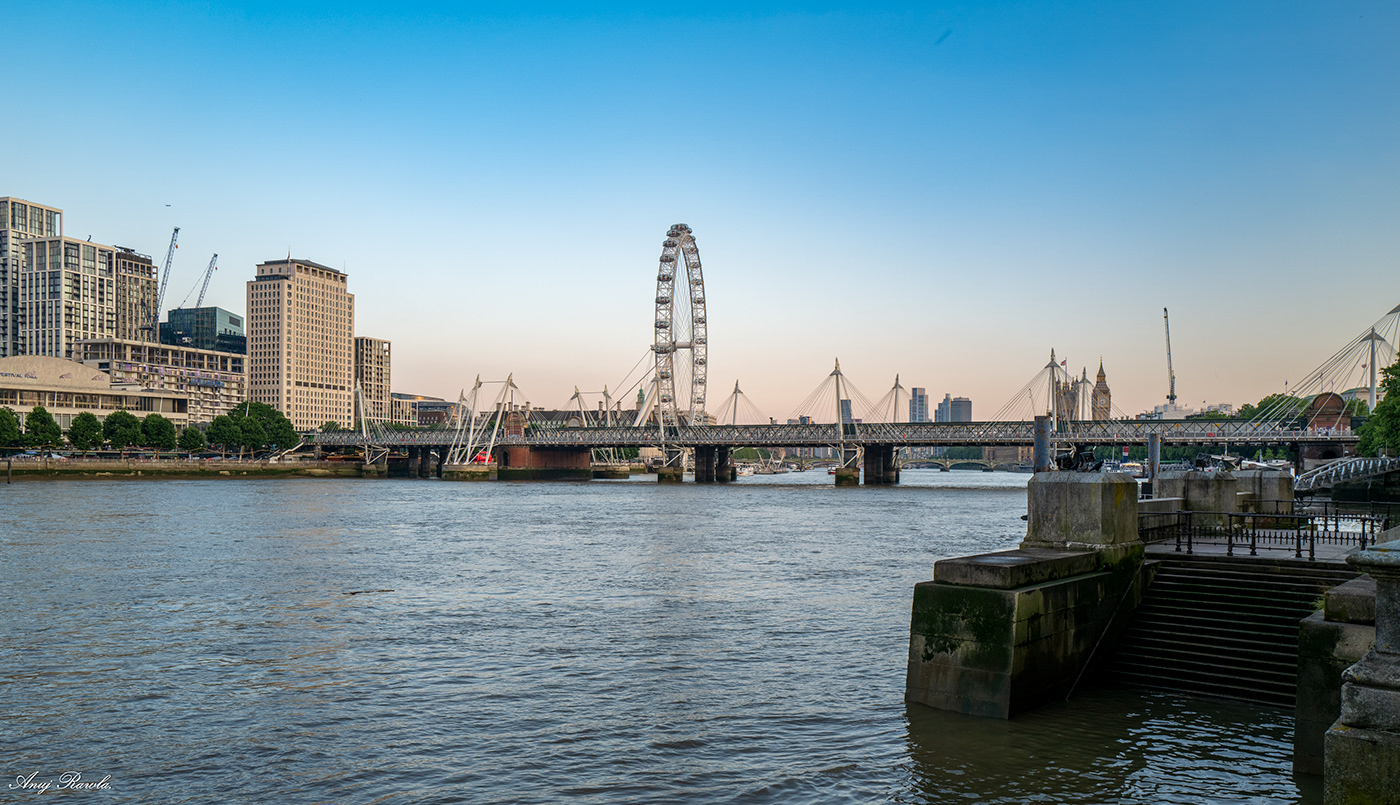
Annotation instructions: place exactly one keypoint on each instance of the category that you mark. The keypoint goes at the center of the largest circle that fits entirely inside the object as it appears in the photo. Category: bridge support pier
(881, 465)
(724, 466)
(704, 465)
(425, 457)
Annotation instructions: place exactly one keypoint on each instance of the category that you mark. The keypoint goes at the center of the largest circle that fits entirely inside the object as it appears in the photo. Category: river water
(410, 641)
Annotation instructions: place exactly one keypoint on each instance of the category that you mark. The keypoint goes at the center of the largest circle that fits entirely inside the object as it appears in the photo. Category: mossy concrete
(1206, 491)
(1326, 648)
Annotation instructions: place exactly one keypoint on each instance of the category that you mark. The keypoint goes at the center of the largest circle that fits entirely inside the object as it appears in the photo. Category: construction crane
(1171, 376)
(153, 320)
(203, 289)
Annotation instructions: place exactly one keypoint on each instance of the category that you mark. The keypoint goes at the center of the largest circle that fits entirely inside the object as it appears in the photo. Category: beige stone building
(20, 220)
(136, 295)
(214, 382)
(67, 388)
(301, 323)
(68, 294)
(372, 376)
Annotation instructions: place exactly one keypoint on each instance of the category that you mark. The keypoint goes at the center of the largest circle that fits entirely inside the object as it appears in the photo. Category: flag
(1065, 361)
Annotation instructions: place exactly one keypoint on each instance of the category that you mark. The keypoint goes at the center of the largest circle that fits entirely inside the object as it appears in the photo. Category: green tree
(277, 430)
(158, 432)
(121, 429)
(1382, 428)
(86, 432)
(254, 435)
(9, 428)
(225, 433)
(40, 429)
(191, 439)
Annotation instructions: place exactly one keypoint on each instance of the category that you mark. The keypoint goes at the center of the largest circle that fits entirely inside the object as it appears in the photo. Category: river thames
(319, 640)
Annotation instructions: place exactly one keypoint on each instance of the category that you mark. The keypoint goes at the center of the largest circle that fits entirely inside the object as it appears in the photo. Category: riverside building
(204, 328)
(67, 388)
(68, 293)
(20, 220)
(372, 376)
(213, 382)
(136, 295)
(301, 321)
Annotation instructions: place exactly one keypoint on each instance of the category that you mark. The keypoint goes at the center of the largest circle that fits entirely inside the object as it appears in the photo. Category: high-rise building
(136, 295)
(372, 376)
(1102, 403)
(944, 411)
(846, 416)
(205, 328)
(67, 294)
(918, 404)
(301, 323)
(960, 410)
(20, 220)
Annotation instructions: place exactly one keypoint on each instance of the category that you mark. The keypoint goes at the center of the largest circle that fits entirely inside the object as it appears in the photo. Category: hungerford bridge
(672, 416)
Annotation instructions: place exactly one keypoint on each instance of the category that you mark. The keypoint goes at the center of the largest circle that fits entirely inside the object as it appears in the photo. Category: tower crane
(203, 289)
(1171, 376)
(154, 321)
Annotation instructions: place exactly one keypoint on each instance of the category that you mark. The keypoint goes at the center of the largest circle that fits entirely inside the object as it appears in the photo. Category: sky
(940, 191)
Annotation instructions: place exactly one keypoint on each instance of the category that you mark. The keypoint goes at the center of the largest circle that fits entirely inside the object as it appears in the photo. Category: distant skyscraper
(301, 324)
(19, 221)
(944, 412)
(918, 404)
(961, 409)
(846, 416)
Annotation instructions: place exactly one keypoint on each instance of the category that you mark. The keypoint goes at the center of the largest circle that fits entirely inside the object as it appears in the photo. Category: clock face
(1100, 399)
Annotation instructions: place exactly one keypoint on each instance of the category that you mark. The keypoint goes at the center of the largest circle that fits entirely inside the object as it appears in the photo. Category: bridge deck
(900, 434)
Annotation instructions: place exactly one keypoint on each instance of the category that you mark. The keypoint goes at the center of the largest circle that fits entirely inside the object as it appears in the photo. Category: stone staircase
(1222, 626)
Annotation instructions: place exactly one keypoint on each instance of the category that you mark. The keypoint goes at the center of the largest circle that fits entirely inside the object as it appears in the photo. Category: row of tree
(252, 426)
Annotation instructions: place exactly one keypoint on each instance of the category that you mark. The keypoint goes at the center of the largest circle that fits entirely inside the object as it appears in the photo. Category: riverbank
(109, 469)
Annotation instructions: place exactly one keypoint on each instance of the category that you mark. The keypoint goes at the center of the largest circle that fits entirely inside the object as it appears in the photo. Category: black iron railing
(1300, 532)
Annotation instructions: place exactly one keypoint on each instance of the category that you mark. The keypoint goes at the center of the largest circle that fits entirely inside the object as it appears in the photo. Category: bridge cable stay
(482, 427)
(738, 410)
(602, 417)
(887, 408)
(1038, 395)
(1355, 363)
(817, 407)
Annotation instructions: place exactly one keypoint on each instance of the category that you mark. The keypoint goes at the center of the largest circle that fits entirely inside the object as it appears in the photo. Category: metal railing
(1249, 530)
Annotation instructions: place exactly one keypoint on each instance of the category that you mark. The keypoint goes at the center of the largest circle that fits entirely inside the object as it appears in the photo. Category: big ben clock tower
(1102, 402)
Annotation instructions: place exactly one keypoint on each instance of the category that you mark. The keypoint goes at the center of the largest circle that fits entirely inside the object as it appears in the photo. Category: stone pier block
(1203, 491)
(1081, 510)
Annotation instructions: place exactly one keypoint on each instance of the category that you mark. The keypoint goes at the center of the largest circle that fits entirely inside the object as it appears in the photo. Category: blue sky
(943, 191)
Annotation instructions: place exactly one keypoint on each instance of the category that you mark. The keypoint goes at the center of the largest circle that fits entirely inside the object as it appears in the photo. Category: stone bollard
(1362, 749)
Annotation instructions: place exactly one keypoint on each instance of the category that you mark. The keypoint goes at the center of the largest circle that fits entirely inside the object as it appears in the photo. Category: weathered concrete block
(999, 650)
(1272, 489)
(848, 476)
(1362, 767)
(1352, 602)
(1007, 569)
(1081, 510)
(670, 475)
(1203, 491)
(1325, 650)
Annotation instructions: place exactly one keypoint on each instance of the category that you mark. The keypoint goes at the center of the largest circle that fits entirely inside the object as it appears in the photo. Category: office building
(301, 323)
(67, 294)
(214, 382)
(960, 410)
(846, 416)
(20, 220)
(205, 328)
(944, 411)
(372, 376)
(136, 295)
(404, 407)
(918, 404)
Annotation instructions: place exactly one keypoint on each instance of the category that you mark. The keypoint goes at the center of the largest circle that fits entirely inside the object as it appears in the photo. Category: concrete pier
(704, 465)
(1002, 633)
(544, 464)
(469, 472)
(673, 474)
(725, 471)
(881, 465)
(1214, 493)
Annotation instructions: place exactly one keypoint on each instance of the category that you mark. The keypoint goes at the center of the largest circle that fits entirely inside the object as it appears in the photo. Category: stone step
(1246, 649)
(1221, 686)
(1275, 620)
